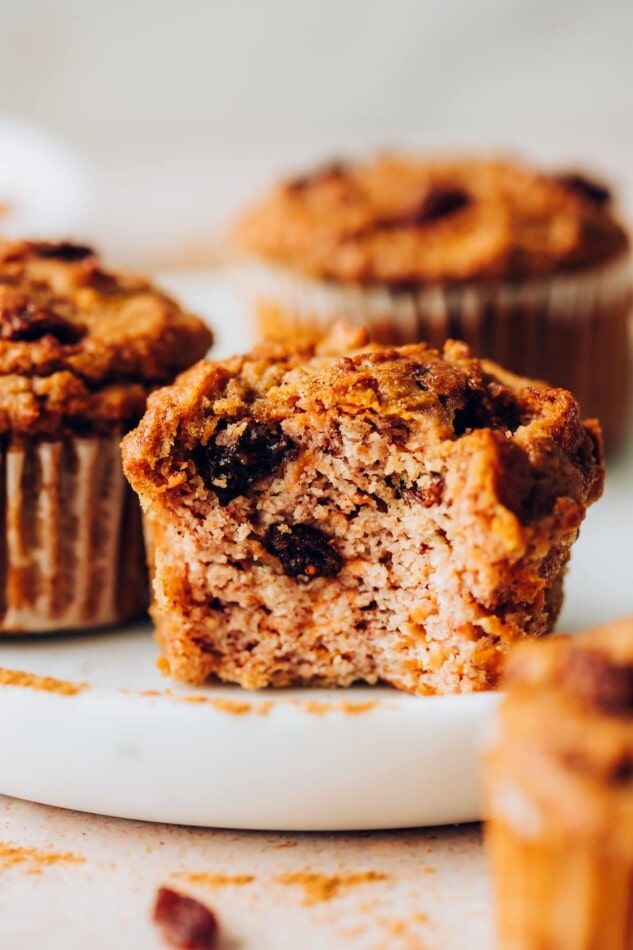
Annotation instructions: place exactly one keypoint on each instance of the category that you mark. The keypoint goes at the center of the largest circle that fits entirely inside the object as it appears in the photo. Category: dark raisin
(230, 470)
(419, 374)
(427, 496)
(185, 923)
(439, 203)
(64, 251)
(622, 771)
(330, 172)
(436, 204)
(24, 320)
(589, 188)
(470, 416)
(594, 678)
(303, 551)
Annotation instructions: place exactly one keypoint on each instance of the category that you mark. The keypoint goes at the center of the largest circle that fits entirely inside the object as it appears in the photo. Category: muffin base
(73, 552)
(558, 891)
(572, 330)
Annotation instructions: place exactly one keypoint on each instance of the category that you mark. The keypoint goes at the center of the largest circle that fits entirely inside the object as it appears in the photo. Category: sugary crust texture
(80, 346)
(406, 221)
(344, 512)
(565, 739)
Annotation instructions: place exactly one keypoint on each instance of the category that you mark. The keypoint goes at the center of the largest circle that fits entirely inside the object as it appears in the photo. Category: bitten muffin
(80, 349)
(332, 514)
(560, 795)
(532, 269)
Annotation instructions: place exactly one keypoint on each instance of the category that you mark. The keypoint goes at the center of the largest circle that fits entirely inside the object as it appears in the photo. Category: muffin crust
(81, 346)
(402, 221)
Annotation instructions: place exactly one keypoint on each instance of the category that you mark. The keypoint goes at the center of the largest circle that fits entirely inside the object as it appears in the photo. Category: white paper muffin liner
(73, 552)
(572, 330)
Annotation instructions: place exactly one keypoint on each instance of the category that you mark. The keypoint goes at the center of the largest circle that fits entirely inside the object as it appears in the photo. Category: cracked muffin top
(80, 346)
(443, 396)
(399, 221)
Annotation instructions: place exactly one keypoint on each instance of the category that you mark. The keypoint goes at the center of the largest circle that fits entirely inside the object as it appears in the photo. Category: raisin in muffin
(80, 349)
(560, 794)
(346, 512)
(530, 268)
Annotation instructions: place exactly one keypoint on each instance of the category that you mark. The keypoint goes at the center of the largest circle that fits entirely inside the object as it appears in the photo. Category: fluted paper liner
(554, 890)
(571, 329)
(73, 551)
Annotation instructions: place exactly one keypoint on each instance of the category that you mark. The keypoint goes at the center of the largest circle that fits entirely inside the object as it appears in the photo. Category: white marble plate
(130, 744)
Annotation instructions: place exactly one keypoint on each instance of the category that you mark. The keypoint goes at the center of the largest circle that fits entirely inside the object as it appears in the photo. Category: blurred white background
(184, 109)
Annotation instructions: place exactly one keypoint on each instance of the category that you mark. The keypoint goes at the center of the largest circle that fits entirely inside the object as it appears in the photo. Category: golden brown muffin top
(79, 345)
(555, 459)
(406, 221)
(566, 726)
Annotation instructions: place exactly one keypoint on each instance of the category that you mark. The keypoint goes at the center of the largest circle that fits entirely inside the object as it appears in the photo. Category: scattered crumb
(215, 880)
(402, 932)
(236, 707)
(323, 887)
(12, 855)
(184, 922)
(429, 870)
(315, 708)
(47, 684)
(355, 708)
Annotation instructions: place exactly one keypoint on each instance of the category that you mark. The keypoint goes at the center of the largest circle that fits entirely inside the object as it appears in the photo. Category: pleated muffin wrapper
(572, 329)
(71, 527)
(557, 886)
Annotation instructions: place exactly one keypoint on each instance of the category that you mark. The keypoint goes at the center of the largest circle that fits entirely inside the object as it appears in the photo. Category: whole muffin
(531, 269)
(80, 349)
(560, 794)
(323, 515)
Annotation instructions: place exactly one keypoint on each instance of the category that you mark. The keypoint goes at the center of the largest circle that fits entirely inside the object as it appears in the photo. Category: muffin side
(332, 514)
(559, 794)
(80, 348)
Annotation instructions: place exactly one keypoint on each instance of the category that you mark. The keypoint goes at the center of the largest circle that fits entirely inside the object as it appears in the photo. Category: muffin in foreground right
(528, 266)
(560, 794)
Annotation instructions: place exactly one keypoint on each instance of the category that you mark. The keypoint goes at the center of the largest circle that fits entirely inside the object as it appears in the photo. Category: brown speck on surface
(46, 684)
(33, 859)
(323, 887)
(185, 923)
(208, 879)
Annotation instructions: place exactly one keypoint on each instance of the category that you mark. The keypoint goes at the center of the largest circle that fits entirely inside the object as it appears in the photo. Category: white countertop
(433, 895)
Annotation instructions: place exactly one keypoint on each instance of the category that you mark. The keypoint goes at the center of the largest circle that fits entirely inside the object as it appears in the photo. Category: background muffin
(341, 514)
(80, 348)
(560, 795)
(531, 269)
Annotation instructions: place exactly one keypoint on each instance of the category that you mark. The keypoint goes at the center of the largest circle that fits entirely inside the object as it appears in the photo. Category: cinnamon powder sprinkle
(318, 888)
(12, 855)
(215, 880)
(236, 707)
(316, 708)
(47, 684)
